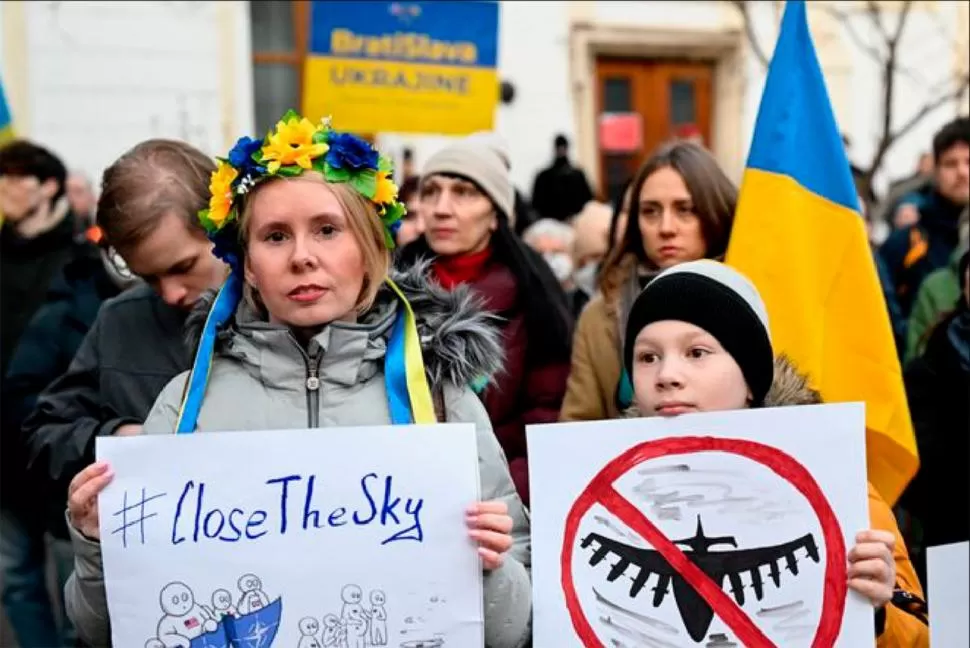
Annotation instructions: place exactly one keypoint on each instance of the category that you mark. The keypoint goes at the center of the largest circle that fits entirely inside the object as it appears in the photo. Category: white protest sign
(714, 529)
(948, 594)
(326, 538)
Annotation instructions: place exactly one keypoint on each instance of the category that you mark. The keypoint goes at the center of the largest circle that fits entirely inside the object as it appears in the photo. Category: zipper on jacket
(313, 391)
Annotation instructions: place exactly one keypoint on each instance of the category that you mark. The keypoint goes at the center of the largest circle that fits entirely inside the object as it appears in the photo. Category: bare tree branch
(759, 52)
(930, 106)
(903, 15)
(875, 16)
(846, 21)
(892, 137)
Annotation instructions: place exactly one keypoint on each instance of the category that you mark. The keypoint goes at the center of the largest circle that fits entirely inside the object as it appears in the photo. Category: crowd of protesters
(570, 294)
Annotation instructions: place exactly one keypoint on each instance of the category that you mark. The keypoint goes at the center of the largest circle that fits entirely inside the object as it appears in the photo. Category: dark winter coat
(44, 352)
(133, 349)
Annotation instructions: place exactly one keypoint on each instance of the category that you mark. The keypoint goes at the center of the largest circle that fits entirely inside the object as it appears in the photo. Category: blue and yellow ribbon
(408, 395)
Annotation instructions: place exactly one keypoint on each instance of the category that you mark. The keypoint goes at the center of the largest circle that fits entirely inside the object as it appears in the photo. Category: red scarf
(461, 268)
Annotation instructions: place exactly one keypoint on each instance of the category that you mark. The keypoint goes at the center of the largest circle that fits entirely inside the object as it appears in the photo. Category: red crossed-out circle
(601, 491)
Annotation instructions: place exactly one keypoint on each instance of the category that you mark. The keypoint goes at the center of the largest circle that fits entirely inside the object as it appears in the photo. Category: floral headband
(296, 145)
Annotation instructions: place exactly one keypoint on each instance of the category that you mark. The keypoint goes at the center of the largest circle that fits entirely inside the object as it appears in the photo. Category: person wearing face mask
(681, 209)
(466, 199)
(590, 245)
(553, 240)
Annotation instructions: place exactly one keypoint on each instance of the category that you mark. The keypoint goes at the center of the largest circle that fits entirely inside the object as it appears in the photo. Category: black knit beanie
(718, 299)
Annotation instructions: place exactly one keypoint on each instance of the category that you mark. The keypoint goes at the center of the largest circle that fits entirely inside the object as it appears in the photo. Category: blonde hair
(364, 224)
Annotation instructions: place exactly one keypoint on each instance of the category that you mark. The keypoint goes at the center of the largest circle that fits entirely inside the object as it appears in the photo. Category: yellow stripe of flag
(799, 236)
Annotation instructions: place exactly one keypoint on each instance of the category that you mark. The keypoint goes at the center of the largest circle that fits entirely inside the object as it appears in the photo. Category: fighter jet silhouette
(718, 565)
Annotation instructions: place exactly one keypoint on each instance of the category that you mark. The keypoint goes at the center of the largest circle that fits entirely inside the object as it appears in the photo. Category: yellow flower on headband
(386, 191)
(292, 143)
(220, 188)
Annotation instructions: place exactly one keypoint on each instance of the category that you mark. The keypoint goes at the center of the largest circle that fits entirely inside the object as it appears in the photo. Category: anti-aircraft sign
(712, 529)
(342, 537)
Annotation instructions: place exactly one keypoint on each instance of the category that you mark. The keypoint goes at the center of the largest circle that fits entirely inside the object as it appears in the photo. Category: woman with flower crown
(313, 329)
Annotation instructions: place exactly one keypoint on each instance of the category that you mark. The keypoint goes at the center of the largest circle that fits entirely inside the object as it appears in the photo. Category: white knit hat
(473, 159)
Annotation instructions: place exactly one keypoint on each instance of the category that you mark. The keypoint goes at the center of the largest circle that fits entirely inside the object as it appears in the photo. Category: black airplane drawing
(718, 565)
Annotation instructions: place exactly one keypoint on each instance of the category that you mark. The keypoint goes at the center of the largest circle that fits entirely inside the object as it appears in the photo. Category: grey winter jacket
(338, 380)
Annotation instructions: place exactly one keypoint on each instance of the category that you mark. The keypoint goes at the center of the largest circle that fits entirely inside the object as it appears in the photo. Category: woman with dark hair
(466, 197)
(681, 209)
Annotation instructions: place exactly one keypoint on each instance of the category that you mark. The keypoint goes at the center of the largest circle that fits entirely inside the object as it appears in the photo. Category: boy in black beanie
(697, 340)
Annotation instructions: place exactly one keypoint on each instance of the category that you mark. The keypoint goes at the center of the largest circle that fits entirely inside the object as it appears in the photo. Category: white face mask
(585, 277)
(561, 265)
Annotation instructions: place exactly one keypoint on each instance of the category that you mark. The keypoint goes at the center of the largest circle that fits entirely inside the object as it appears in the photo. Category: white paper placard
(948, 594)
(343, 537)
(713, 529)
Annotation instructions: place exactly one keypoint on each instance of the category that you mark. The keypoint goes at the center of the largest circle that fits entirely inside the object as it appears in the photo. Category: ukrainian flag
(6, 123)
(799, 236)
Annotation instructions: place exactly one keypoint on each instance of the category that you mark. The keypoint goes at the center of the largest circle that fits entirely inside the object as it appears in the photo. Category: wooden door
(669, 97)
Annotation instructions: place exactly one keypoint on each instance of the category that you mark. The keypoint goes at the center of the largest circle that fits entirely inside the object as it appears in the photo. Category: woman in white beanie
(466, 198)
(698, 340)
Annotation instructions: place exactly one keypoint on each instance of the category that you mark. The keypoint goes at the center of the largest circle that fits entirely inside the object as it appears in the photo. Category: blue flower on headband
(349, 152)
(241, 156)
(227, 246)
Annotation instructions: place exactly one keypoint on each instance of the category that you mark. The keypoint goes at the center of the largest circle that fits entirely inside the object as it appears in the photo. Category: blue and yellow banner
(799, 236)
(6, 122)
(407, 67)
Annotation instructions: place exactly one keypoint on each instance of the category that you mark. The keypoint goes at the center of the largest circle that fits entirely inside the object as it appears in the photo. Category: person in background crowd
(554, 241)
(937, 384)
(147, 211)
(698, 340)
(914, 252)
(412, 225)
(901, 207)
(82, 200)
(682, 208)
(938, 294)
(591, 243)
(286, 239)
(896, 319)
(466, 197)
(36, 242)
(407, 166)
(44, 352)
(560, 190)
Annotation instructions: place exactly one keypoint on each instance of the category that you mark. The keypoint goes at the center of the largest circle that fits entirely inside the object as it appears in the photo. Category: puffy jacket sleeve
(508, 589)
(84, 595)
(584, 397)
(164, 414)
(902, 629)
(85, 599)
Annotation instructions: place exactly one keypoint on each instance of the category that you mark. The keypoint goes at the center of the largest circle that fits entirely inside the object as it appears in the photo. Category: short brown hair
(714, 197)
(364, 223)
(153, 179)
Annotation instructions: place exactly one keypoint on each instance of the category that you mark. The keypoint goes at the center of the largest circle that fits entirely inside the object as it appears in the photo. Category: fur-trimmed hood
(788, 387)
(461, 341)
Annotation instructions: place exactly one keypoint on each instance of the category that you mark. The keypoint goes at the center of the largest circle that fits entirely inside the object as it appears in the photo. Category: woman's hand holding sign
(82, 498)
(872, 568)
(491, 527)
